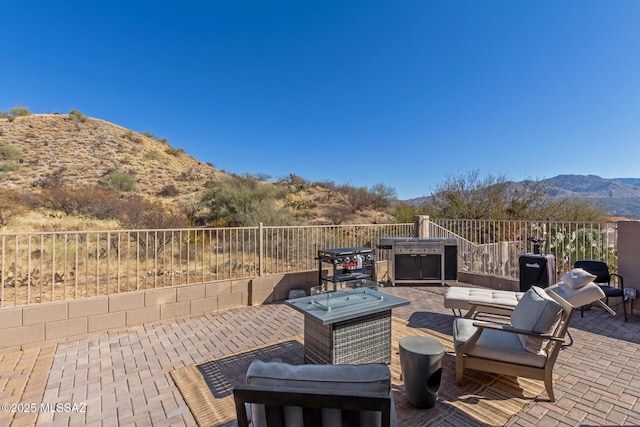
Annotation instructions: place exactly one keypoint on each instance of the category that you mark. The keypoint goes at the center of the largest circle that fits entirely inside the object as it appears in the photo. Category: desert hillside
(86, 151)
(40, 151)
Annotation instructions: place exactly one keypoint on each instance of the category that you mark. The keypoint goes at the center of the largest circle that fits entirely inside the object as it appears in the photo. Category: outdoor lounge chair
(526, 347)
(576, 287)
(604, 279)
(280, 394)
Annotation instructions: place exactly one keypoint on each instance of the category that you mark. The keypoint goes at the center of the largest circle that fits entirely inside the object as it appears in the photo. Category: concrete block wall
(488, 281)
(33, 324)
(629, 258)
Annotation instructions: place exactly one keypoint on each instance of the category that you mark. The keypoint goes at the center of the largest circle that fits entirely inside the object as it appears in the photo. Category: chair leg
(548, 385)
(459, 368)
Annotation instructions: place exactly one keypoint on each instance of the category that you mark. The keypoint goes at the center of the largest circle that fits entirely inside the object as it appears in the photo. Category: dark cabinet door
(407, 267)
(430, 267)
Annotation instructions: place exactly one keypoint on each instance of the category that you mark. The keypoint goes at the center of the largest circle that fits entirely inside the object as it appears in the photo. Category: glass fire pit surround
(351, 326)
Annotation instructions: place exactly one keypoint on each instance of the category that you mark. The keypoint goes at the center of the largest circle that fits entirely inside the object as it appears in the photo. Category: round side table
(421, 364)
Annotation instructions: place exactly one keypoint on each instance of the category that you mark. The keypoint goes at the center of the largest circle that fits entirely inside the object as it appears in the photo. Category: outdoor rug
(483, 399)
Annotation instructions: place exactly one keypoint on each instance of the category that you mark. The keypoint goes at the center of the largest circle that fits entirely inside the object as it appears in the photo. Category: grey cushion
(495, 345)
(536, 312)
(374, 377)
(577, 278)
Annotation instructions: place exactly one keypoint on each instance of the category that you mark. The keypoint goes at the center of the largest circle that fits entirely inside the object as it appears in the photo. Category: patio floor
(123, 376)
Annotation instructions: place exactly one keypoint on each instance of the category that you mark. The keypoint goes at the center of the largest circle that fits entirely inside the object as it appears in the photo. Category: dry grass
(87, 150)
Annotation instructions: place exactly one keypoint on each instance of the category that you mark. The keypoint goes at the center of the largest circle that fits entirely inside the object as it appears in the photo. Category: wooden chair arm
(511, 329)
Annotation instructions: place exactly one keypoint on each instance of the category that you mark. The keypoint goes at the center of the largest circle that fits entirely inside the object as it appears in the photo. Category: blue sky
(404, 93)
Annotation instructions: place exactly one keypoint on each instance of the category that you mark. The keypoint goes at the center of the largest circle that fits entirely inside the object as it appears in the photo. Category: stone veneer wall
(33, 324)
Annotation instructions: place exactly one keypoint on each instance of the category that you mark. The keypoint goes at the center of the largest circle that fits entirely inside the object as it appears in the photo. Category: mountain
(619, 196)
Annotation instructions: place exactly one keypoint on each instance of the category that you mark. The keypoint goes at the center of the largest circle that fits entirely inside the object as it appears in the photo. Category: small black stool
(421, 364)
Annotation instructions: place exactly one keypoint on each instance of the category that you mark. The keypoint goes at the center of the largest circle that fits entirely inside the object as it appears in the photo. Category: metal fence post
(261, 250)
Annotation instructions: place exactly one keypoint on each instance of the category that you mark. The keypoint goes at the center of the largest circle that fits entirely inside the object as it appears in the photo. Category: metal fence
(493, 247)
(43, 267)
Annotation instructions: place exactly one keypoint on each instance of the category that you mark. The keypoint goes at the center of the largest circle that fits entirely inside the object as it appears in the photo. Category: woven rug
(483, 399)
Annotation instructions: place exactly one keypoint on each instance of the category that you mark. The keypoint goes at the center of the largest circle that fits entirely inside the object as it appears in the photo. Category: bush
(132, 136)
(120, 181)
(174, 151)
(76, 115)
(19, 111)
(153, 155)
(241, 201)
(169, 190)
(9, 166)
(53, 180)
(8, 151)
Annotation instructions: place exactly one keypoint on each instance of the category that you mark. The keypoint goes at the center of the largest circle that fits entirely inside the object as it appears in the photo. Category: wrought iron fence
(42, 267)
(493, 247)
(53, 266)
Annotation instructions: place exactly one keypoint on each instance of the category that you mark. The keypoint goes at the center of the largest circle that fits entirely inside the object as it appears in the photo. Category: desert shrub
(148, 134)
(174, 151)
(382, 195)
(8, 151)
(10, 206)
(19, 111)
(89, 200)
(132, 136)
(191, 207)
(120, 181)
(164, 141)
(64, 199)
(137, 213)
(240, 201)
(169, 190)
(9, 166)
(153, 155)
(76, 115)
(404, 212)
(52, 180)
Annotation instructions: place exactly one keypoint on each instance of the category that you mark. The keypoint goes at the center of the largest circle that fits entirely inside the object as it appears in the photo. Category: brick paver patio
(122, 377)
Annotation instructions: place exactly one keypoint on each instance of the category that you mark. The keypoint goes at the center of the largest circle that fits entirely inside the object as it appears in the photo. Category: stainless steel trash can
(421, 364)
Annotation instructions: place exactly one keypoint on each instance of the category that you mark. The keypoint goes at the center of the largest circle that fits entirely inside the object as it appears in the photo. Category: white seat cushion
(460, 298)
(580, 296)
(577, 278)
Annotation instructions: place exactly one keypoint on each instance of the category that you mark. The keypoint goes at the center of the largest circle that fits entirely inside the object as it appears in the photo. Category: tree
(470, 196)
(244, 201)
(382, 195)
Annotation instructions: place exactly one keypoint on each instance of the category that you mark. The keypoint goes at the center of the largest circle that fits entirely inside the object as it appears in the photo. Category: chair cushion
(495, 345)
(578, 296)
(577, 278)
(536, 312)
(372, 377)
(460, 298)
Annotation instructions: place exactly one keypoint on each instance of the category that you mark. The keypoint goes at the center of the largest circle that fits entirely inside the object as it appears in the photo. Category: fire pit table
(347, 327)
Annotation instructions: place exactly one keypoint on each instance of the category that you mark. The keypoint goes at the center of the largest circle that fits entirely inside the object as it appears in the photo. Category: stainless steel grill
(416, 260)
